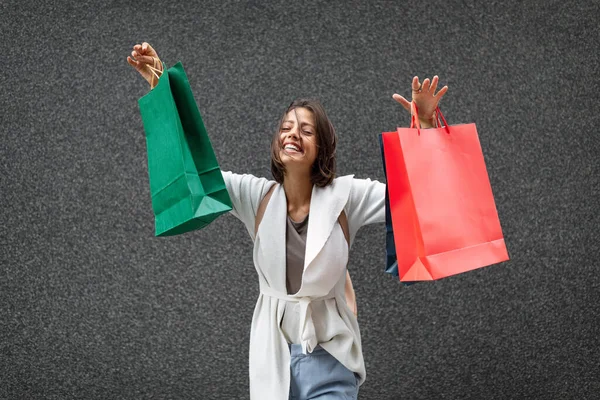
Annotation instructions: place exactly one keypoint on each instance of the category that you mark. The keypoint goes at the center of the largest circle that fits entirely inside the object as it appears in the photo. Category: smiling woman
(304, 341)
(305, 124)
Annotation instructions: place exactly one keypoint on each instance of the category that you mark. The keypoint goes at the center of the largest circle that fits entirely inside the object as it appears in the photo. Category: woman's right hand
(143, 58)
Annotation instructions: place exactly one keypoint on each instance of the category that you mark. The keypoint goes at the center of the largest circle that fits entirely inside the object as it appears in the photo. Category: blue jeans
(318, 375)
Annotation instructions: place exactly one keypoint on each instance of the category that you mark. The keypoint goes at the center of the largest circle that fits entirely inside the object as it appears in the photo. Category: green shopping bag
(187, 188)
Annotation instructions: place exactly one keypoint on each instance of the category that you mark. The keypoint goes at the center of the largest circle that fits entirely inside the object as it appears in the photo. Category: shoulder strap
(262, 207)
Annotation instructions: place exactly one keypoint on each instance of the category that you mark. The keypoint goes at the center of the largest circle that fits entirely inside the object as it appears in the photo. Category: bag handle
(155, 71)
(439, 114)
(415, 123)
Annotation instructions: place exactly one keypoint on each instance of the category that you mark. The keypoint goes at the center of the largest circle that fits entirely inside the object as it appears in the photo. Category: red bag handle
(415, 123)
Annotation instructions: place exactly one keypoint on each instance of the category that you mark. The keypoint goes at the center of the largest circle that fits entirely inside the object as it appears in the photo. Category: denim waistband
(296, 351)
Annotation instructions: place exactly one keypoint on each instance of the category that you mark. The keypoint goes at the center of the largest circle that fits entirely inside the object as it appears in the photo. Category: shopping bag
(186, 185)
(391, 261)
(443, 213)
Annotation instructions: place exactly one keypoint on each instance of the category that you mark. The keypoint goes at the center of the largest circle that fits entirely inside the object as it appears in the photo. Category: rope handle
(154, 71)
(416, 123)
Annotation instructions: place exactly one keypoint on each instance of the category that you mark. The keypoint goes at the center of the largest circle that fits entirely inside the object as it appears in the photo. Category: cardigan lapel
(326, 204)
(271, 234)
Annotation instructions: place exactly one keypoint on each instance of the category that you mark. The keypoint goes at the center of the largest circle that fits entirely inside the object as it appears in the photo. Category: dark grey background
(93, 306)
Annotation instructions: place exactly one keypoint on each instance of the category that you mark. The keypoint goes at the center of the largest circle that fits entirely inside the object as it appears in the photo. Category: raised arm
(366, 204)
(246, 193)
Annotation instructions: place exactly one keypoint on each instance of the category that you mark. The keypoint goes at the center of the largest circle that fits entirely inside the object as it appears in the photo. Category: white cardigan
(325, 319)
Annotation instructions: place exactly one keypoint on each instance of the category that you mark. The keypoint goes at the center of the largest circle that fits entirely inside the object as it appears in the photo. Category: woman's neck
(298, 191)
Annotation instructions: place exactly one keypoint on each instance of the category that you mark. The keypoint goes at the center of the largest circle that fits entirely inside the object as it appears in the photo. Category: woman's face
(298, 139)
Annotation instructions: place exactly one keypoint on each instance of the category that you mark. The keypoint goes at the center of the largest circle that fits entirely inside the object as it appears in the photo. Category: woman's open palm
(424, 97)
(143, 58)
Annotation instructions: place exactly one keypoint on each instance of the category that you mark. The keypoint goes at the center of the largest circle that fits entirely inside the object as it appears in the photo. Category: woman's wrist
(428, 122)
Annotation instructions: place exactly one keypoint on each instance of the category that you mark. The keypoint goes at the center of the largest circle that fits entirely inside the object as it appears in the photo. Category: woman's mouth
(291, 147)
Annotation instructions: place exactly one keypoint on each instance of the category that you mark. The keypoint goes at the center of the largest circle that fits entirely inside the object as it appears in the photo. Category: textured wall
(93, 306)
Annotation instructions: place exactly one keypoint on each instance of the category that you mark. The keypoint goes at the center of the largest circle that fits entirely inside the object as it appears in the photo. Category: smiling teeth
(291, 147)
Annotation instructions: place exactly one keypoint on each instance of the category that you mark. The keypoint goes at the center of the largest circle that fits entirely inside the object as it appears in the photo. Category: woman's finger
(441, 93)
(131, 62)
(142, 59)
(434, 83)
(415, 84)
(148, 50)
(138, 65)
(425, 86)
(403, 102)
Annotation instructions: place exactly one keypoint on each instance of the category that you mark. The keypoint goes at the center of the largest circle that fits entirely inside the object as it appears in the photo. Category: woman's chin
(291, 155)
(295, 163)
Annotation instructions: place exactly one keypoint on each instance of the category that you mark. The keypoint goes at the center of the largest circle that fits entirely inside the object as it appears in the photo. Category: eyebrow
(301, 124)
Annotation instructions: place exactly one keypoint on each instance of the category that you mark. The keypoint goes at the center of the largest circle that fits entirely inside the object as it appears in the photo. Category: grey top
(295, 244)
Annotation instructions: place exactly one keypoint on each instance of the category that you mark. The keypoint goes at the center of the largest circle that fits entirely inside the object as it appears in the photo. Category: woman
(305, 341)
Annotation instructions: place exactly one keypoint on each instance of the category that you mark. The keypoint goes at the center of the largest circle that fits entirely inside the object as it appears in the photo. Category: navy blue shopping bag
(391, 262)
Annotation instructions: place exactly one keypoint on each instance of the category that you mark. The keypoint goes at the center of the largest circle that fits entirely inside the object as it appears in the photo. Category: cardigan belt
(308, 333)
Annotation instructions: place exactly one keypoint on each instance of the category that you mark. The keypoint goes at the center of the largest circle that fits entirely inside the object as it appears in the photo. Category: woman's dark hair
(323, 169)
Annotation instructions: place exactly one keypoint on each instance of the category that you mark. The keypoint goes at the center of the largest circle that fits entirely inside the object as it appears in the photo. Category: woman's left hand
(424, 97)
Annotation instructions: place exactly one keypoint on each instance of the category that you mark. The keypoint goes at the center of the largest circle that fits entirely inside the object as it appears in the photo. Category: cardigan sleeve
(366, 204)
(246, 192)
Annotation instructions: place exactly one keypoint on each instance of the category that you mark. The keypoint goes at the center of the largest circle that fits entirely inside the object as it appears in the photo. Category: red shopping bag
(443, 212)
